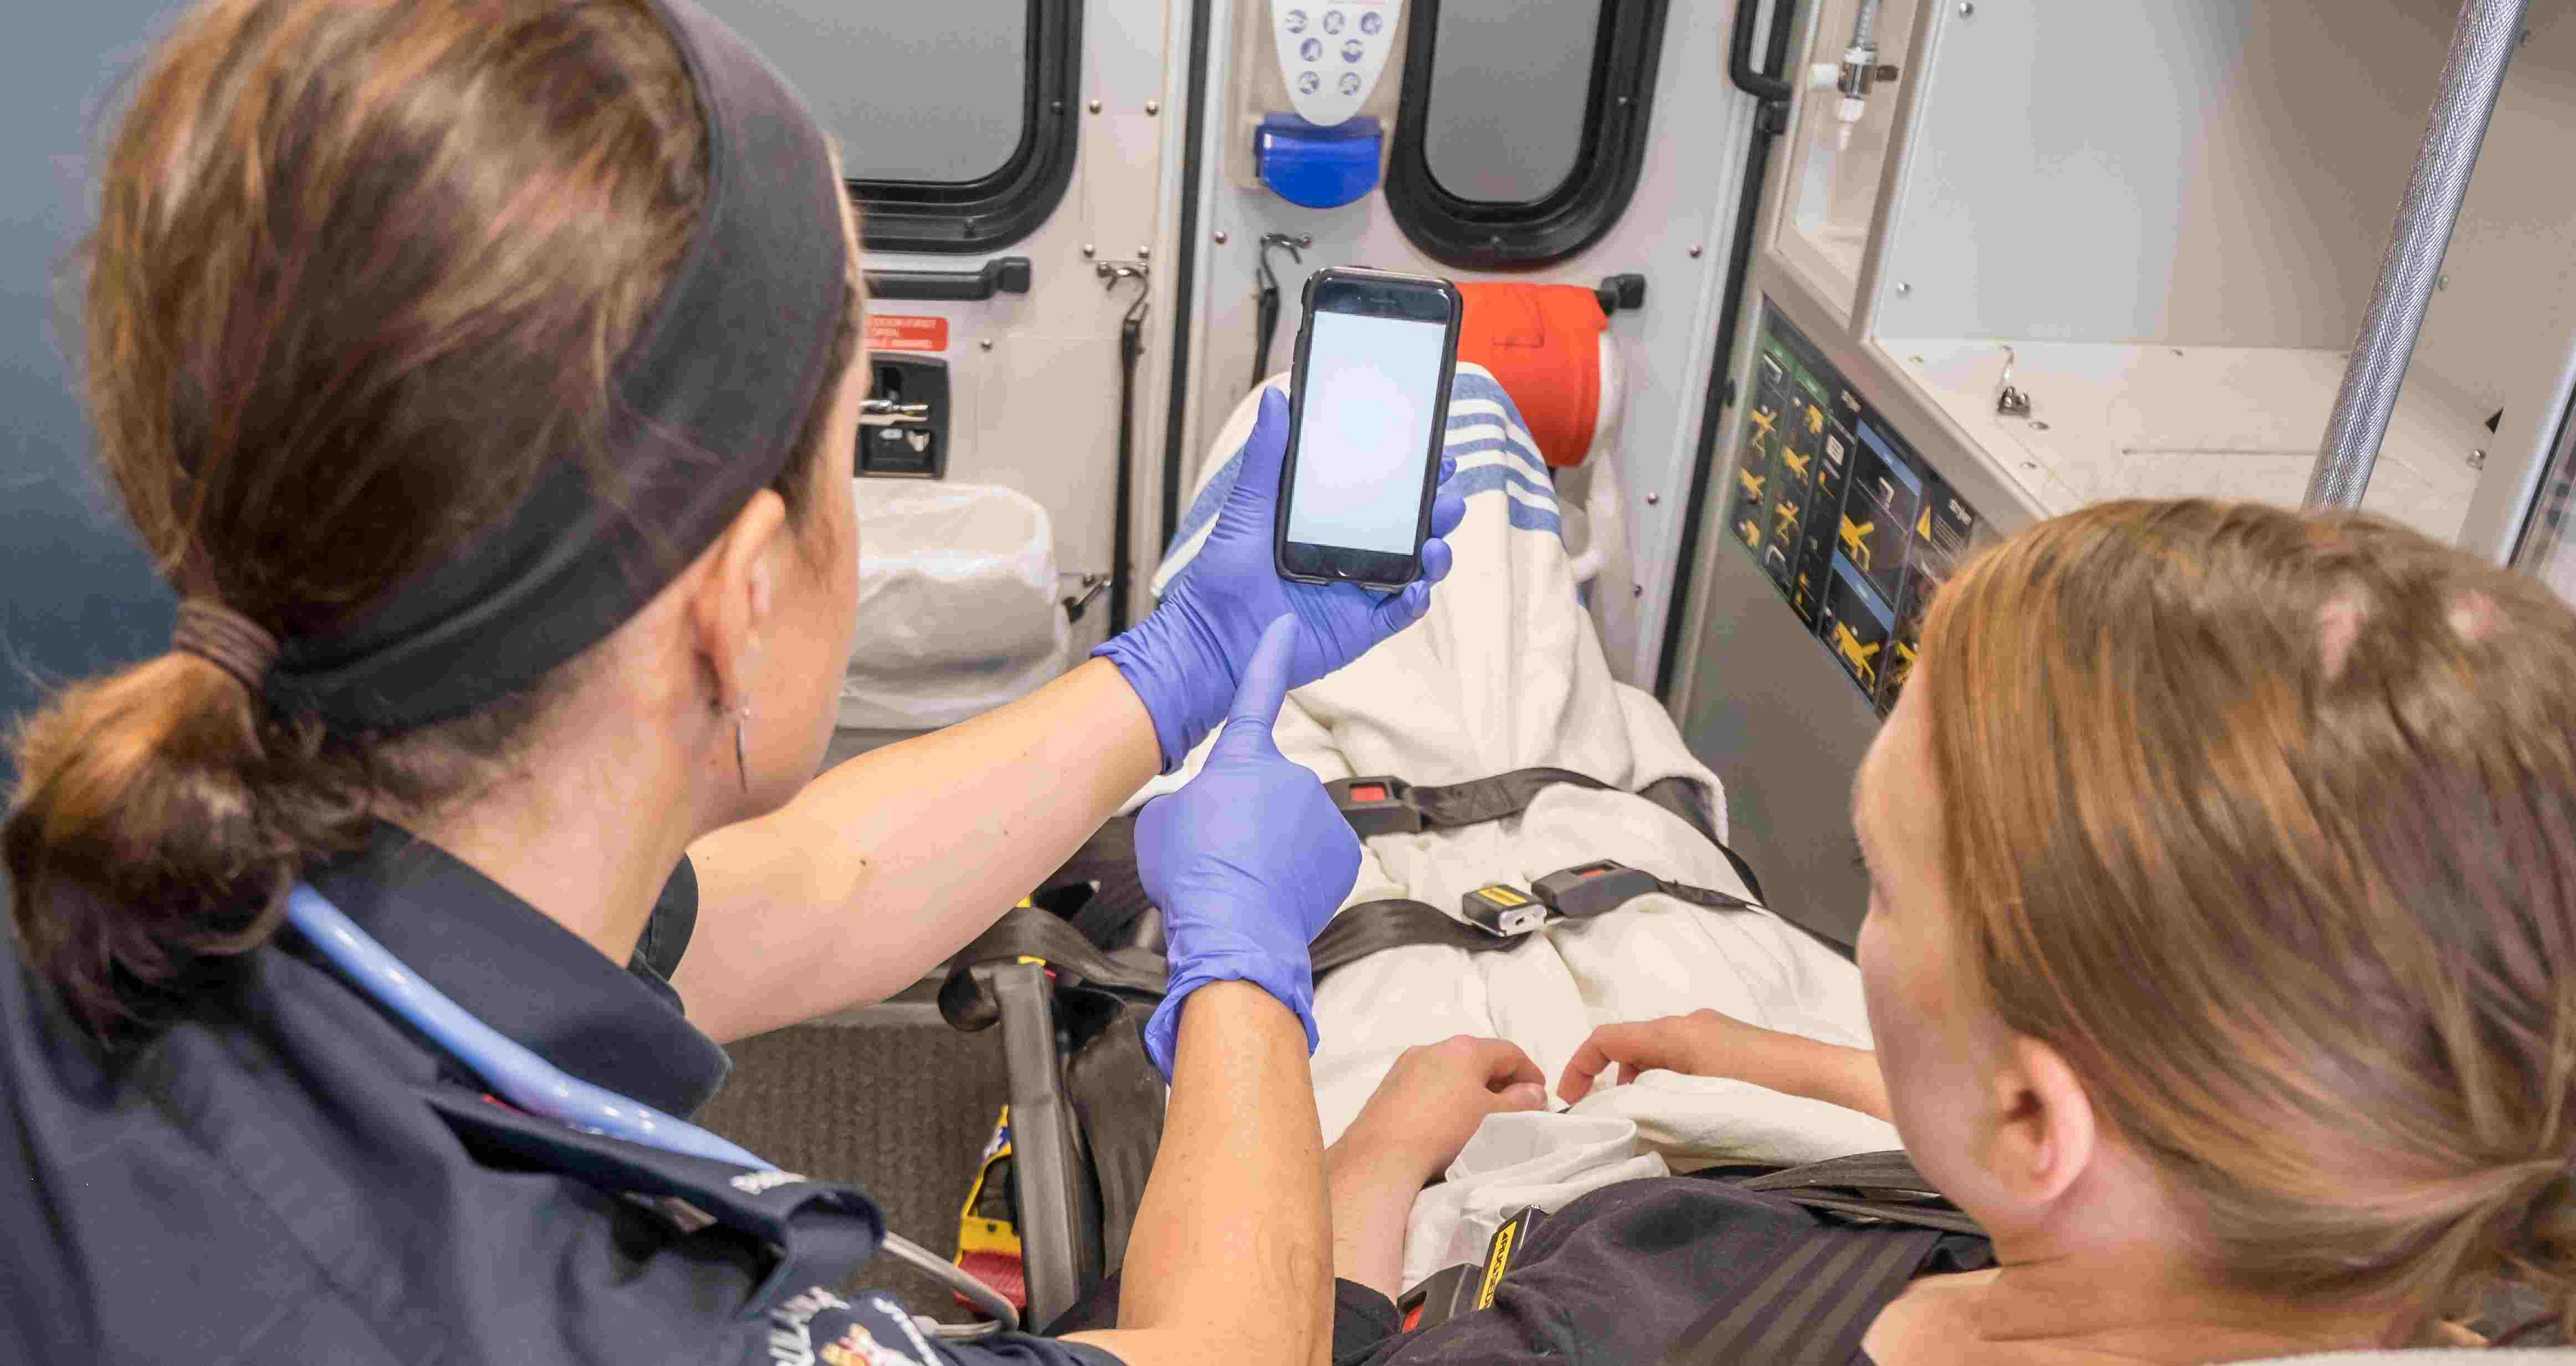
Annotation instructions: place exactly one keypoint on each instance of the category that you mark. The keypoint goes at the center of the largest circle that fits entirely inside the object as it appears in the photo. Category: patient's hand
(1432, 1100)
(1412, 1127)
(1705, 1043)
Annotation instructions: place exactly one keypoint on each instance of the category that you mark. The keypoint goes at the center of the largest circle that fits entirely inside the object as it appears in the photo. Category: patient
(2222, 952)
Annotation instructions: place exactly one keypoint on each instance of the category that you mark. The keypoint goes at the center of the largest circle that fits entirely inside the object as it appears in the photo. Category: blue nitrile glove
(1185, 659)
(1248, 861)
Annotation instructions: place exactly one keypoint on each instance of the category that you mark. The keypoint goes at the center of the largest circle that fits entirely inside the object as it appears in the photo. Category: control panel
(1854, 527)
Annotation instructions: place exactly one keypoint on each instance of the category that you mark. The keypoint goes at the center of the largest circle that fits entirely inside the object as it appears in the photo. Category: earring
(741, 765)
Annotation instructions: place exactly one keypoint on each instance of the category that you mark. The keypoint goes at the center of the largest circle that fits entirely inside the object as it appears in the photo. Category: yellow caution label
(1495, 1264)
(1502, 896)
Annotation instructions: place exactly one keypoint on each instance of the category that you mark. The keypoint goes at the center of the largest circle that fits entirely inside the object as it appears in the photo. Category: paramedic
(483, 375)
(2221, 953)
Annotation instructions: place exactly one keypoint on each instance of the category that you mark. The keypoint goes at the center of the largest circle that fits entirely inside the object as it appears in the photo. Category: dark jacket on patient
(1627, 1272)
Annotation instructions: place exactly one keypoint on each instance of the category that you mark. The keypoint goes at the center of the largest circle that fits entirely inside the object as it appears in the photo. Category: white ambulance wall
(2511, 298)
(1675, 232)
(2210, 172)
(1034, 378)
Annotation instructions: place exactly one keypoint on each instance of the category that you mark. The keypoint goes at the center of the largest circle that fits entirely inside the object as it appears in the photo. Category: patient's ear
(2044, 1134)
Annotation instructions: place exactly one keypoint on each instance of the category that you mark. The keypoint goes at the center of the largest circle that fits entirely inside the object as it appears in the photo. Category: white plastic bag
(957, 604)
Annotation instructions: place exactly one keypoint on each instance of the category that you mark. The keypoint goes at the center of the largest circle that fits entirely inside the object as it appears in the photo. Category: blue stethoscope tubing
(513, 1072)
(530, 1083)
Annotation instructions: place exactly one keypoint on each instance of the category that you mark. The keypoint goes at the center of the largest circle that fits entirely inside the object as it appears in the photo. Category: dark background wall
(77, 593)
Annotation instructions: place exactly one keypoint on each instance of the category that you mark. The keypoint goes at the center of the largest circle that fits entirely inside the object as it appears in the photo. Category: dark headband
(705, 405)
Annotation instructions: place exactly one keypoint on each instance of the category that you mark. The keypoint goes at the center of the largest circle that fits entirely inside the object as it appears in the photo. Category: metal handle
(2472, 77)
(1739, 59)
(885, 412)
(1621, 291)
(1004, 275)
(1059, 1232)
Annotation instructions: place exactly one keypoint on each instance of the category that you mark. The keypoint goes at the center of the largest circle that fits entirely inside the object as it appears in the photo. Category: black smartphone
(1368, 411)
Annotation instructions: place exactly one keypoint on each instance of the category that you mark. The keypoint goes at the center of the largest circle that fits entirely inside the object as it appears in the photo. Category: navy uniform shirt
(287, 1174)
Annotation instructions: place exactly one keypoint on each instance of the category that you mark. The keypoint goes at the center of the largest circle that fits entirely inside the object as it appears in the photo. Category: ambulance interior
(1775, 312)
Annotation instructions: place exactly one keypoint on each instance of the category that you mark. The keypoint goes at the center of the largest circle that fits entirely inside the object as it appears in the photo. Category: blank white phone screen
(1364, 431)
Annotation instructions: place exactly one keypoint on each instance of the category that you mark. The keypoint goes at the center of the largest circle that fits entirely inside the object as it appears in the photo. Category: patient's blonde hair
(2267, 821)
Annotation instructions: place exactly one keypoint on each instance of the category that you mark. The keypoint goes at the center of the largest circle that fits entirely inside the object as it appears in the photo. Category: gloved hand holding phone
(1186, 658)
(1248, 861)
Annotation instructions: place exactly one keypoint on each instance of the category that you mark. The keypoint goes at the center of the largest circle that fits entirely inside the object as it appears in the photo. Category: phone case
(1296, 416)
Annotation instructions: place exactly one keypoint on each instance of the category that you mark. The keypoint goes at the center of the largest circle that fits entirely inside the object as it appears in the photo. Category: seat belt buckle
(1442, 1296)
(1500, 909)
(1506, 1245)
(1376, 806)
(1469, 1286)
(1588, 889)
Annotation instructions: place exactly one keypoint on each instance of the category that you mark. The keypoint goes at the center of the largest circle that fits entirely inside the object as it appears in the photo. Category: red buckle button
(1368, 792)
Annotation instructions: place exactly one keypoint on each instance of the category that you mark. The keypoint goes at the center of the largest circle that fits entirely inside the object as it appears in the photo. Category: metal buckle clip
(1588, 889)
(1376, 806)
(1501, 909)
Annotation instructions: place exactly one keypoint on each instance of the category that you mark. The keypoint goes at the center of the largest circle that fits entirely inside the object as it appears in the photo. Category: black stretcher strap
(1024, 932)
(1358, 931)
(1107, 860)
(1397, 923)
(1118, 1100)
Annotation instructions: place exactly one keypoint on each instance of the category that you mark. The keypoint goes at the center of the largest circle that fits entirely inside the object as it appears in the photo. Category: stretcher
(1487, 746)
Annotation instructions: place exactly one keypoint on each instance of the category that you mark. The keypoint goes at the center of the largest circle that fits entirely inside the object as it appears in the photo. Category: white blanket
(1507, 673)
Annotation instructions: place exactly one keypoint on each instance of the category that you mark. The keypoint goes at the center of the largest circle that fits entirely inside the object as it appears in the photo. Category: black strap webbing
(1108, 859)
(1354, 934)
(1118, 1100)
(1395, 924)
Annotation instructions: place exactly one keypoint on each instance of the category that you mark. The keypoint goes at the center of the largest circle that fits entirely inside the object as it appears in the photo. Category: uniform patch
(819, 1328)
(856, 1346)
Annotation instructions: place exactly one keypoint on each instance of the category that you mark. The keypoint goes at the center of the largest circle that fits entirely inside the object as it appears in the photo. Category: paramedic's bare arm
(889, 863)
(1707, 1044)
(1230, 1260)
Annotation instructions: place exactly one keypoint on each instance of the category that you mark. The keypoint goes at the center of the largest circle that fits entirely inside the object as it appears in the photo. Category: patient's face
(1936, 1036)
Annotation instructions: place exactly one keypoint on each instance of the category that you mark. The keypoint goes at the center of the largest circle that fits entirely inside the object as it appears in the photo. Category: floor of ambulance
(890, 1098)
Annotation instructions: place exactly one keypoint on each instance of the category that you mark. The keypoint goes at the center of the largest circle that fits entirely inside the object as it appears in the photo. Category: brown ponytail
(2268, 823)
(149, 833)
(360, 267)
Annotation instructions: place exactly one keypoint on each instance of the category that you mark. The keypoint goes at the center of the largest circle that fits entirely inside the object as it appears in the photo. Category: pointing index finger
(1265, 680)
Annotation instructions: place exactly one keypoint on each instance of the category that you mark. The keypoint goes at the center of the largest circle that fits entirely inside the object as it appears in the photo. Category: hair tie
(226, 639)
